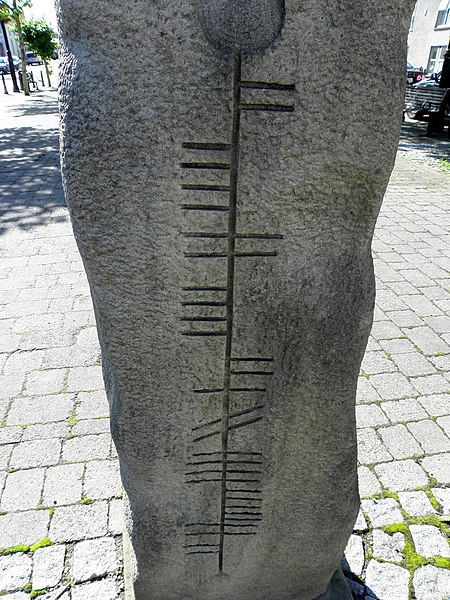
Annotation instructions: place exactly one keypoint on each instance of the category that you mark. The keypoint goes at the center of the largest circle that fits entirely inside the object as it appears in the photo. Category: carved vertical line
(232, 222)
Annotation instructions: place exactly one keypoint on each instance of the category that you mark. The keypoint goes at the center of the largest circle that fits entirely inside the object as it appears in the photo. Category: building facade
(14, 47)
(429, 34)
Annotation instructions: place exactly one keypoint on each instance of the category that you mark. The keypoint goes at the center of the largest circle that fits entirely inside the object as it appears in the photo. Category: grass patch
(444, 165)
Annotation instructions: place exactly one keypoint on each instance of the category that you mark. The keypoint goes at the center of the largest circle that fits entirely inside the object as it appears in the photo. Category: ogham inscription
(237, 473)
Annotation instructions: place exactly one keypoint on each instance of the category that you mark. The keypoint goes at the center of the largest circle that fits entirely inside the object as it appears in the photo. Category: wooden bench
(429, 104)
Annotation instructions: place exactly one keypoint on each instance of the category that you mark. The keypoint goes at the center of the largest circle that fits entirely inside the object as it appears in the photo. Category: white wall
(423, 34)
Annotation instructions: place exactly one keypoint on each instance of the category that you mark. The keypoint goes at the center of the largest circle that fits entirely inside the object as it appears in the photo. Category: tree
(14, 14)
(40, 39)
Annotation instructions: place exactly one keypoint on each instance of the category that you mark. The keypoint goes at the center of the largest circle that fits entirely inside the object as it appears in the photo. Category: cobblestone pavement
(60, 507)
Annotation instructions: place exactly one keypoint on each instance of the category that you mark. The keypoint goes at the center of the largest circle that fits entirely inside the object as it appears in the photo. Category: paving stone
(85, 379)
(15, 571)
(414, 364)
(47, 430)
(22, 490)
(388, 547)
(438, 466)
(23, 528)
(94, 559)
(377, 362)
(17, 596)
(370, 448)
(401, 475)
(42, 409)
(385, 330)
(48, 567)
(11, 384)
(427, 340)
(78, 522)
(399, 441)
(116, 518)
(406, 409)
(422, 306)
(104, 589)
(382, 512)
(429, 541)
(439, 324)
(22, 362)
(366, 393)
(87, 447)
(10, 435)
(5, 454)
(416, 504)
(392, 386)
(444, 423)
(354, 554)
(368, 483)
(397, 346)
(370, 415)
(39, 453)
(387, 581)
(430, 436)
(49, 381)
(434, 384)
(102, 479)
(72, 356)
(441, 362)
(92, 426)
(436, 405)
(443, 497)
(70, 492)
(92, 405)
(431, 583)
(404, 318)
(88, 335)
(4, 404)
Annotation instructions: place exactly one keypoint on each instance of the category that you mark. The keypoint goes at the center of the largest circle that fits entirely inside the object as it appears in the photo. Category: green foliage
(36, 593)
(42, 544)
(39, 37)
(13, 13)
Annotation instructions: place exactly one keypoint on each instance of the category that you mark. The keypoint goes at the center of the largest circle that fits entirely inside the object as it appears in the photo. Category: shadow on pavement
(414, 141)
(40, 104)
(359, 589)
(30, 180)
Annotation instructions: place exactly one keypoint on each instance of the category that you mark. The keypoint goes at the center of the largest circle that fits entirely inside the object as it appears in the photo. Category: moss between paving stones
(32, 549)
(42, 544)
(36, 594)
(14, 550)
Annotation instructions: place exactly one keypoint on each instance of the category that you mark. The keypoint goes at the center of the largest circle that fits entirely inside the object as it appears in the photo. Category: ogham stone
(223, 179)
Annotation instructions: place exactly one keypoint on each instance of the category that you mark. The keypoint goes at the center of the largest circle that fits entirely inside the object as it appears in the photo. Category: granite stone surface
(224, 206)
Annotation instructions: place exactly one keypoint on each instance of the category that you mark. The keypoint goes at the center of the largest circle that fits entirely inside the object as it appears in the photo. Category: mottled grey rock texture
(224, 205)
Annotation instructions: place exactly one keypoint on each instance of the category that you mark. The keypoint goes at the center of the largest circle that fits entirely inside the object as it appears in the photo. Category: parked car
(413, 75)
(429, 81)
(4, 64)
(32, 59)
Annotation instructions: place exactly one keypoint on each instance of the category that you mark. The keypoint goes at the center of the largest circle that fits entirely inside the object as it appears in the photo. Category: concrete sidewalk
(60, 506)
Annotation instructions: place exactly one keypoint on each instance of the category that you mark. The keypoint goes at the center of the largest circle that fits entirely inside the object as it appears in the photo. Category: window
(443, 16)
(436, 59)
